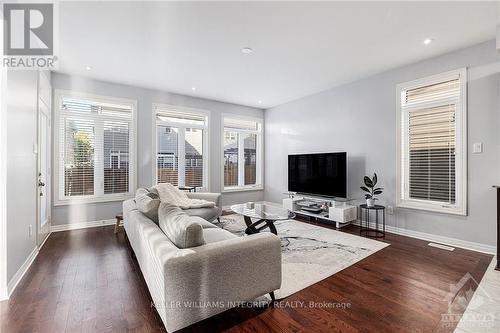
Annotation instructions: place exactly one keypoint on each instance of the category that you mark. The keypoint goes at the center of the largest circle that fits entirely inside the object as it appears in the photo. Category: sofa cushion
(182, 230)
(213, 235)
(208, 214)
(147, 203)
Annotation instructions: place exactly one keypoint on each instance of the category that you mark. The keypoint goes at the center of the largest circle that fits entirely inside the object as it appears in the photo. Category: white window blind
(242, 152)
(181, 143)
(95, 140)
(433, 144)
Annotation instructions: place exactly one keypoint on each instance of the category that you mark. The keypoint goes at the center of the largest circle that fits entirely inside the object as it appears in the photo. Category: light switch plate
(477, 147)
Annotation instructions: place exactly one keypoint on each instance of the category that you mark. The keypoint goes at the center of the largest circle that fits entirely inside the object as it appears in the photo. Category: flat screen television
(322, 174)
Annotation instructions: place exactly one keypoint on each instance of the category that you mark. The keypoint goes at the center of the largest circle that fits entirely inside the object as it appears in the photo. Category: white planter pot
(370, 202)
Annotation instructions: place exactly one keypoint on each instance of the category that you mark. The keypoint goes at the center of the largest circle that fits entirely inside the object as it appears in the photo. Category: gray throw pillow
(183, 230)
(147, 203)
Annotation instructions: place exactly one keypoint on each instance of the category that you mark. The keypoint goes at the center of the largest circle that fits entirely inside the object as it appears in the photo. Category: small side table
(365, 228)
(119, 219)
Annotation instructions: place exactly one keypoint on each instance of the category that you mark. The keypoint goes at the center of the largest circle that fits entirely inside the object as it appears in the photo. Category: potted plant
(371, 190)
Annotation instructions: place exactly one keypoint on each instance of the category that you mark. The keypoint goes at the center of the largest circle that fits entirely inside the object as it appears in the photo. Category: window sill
(83, 201)
(433, 208)
(242, 189)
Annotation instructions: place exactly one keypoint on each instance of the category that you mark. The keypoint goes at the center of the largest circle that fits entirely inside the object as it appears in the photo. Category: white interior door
(44, 153)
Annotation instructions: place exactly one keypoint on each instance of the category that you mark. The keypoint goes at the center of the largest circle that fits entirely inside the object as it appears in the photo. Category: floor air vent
(441, 246)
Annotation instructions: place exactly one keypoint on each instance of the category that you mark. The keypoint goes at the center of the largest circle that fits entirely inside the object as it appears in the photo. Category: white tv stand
(339, 212)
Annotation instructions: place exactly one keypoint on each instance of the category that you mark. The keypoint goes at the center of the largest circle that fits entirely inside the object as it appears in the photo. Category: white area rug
(310, 253)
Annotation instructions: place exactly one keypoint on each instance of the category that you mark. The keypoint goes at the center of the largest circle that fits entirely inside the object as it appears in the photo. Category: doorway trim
(44, 97)
(3, 185)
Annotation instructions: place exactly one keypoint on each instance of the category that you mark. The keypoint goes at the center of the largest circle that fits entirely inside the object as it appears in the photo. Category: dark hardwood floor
(85, 281)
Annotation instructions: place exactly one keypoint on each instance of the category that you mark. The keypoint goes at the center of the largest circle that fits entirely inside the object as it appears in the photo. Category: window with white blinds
(242, 153)
(181, 138)
(433, 144)
(95, 141)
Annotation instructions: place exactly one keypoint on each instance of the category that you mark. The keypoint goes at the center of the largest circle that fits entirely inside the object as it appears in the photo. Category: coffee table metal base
(256, 227)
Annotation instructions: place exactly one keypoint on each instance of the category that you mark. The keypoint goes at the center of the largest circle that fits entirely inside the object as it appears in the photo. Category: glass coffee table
(266, 215)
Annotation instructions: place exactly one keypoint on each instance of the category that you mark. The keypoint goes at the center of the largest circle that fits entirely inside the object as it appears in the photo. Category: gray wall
(360, 118)
(145, 157)
(21, 167)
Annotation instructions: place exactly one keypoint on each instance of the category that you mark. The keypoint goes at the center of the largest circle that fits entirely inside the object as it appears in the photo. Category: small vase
(370, 202)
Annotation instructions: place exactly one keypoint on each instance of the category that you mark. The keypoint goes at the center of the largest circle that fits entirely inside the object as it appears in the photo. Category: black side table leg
(361, 219)
(384, 221)
(368, 220)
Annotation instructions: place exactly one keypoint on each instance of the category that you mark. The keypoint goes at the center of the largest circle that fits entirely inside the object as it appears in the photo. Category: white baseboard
(455, 242)
(81, 225)
(11, 286)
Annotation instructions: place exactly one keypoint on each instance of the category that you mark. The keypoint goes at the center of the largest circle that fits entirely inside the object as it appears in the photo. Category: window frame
(461, 151)
(259, 176)
(59, 198)
(206, 140)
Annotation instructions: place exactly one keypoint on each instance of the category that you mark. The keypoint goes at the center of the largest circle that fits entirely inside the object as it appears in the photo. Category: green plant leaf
(368, 196)
(374, 181)
(368, 181)
(364, 188)
(377, 192)
(378, 188)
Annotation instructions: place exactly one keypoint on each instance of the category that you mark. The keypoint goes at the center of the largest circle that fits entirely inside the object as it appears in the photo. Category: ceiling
(299, 48)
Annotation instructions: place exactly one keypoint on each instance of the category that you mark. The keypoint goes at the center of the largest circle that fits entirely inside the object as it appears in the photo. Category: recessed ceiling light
(88, 68)
(246, 50)
(193, 88)
(427, 41)
(260, 102)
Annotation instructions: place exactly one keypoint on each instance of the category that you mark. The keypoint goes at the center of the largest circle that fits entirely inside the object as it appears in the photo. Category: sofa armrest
(213, 197)
(217, 275)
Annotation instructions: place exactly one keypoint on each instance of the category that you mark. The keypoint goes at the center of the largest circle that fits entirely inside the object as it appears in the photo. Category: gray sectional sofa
(194, 269)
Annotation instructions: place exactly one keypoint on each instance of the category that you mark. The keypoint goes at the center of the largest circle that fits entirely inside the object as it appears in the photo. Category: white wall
(21, 167)
(360, 118)
(145, 157)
